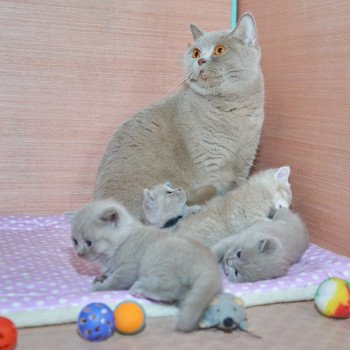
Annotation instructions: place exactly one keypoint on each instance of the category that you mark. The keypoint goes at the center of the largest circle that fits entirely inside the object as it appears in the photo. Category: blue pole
(234, 13)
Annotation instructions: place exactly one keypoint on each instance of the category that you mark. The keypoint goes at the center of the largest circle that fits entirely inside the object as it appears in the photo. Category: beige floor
(282, 326)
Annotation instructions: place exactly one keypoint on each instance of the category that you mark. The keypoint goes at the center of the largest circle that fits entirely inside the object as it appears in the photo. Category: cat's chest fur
(223, 133)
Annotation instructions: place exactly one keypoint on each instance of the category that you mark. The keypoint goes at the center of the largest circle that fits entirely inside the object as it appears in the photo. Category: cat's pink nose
(201, 61)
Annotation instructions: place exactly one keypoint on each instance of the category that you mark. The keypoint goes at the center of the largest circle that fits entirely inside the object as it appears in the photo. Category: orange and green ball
(332, 298)
(129, 318)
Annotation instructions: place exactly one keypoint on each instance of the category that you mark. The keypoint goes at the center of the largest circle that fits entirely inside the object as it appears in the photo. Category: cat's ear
(70, 215)
(148, 199)
(196, 32)
(168, 184)
(150, 206)
(267, 245)
(109, 216)
(246, 29)
(282, 174)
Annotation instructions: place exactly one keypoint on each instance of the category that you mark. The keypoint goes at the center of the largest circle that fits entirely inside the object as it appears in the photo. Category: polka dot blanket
(42, 281)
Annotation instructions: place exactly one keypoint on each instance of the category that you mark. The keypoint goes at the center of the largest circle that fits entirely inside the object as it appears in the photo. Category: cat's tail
(201, 195)
(203, 290)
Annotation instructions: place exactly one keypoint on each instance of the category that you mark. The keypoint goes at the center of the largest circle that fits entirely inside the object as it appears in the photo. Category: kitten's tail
(201, 195)
(205, 288)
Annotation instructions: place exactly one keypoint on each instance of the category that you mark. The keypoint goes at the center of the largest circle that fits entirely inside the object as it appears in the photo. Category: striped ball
(332, 298)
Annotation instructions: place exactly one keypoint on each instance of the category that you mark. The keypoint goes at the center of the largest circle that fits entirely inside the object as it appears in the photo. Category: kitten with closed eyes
(160, 267)
(265, 250)
(164, 206)
(238, 209)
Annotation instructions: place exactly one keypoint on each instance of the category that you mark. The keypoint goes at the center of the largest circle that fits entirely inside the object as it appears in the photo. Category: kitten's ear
(150, 206)
(267, 246)
(70, 214)
(196, 32)
(148, 199)
(282, 174)
(110, 216)
(168, 184)
(246, 30)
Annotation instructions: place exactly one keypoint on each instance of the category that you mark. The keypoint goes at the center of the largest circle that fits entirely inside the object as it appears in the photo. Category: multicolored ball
(332, 298)
(129, 318)
(96, 322)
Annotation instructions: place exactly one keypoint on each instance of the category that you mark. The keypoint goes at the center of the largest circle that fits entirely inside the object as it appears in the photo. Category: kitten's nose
(201, 61)
(80, 254)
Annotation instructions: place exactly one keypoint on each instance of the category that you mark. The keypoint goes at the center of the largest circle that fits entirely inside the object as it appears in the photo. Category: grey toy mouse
(226, 312)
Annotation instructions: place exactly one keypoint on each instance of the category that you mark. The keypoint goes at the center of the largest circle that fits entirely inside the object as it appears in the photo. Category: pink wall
(71, 72)
(306, 64)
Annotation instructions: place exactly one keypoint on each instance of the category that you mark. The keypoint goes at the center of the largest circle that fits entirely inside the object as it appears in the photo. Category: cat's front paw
(195, 209)
(99, 279)
(98, 283)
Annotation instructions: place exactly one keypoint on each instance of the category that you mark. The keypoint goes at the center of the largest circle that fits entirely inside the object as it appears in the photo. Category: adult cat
(204, 135)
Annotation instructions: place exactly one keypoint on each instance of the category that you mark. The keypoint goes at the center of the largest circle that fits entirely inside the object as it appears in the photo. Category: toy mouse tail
(197, 300)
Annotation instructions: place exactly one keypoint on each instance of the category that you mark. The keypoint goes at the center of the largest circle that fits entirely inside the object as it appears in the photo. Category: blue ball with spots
(96, 322)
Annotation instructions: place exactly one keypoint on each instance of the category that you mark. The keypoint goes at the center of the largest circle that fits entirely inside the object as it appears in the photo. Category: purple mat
(42, 281)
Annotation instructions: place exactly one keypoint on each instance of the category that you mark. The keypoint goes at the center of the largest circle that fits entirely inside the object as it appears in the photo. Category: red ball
(8, 334)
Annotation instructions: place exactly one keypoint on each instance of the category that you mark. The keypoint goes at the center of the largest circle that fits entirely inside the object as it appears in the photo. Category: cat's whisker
(175, 88)
(179, 82)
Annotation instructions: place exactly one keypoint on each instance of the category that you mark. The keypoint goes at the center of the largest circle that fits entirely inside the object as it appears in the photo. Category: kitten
(205, 136)
(265, 250)
(228, 215)
(154, 265)
(164, 206)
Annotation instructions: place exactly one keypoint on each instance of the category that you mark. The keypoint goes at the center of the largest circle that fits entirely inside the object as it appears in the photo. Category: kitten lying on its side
(240, 208)
(164, 206)
(157, 266)
(265, 250)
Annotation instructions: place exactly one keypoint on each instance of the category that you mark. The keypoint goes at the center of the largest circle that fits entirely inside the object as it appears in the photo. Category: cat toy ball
(8, 334)
(96, 322)
(332, 298)
(129, 317)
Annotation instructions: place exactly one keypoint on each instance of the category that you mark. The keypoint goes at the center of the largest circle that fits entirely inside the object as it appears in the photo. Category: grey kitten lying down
(154, 265)
(262, 193)
(265, 250)
(228, 215)
(164, 206)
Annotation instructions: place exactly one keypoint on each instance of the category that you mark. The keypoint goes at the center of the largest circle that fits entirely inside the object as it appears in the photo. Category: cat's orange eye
(196, 53)
(220, 50)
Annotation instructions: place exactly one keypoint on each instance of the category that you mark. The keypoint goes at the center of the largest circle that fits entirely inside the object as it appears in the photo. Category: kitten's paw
(96, 287)
(99, 279)
(195, 209)
(98, 284)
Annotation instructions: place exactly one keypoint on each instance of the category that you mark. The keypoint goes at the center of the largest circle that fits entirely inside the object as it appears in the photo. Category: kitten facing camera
(164, 206)
(265, 250)
(254, 200)
(204, 137)
(153, 265)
